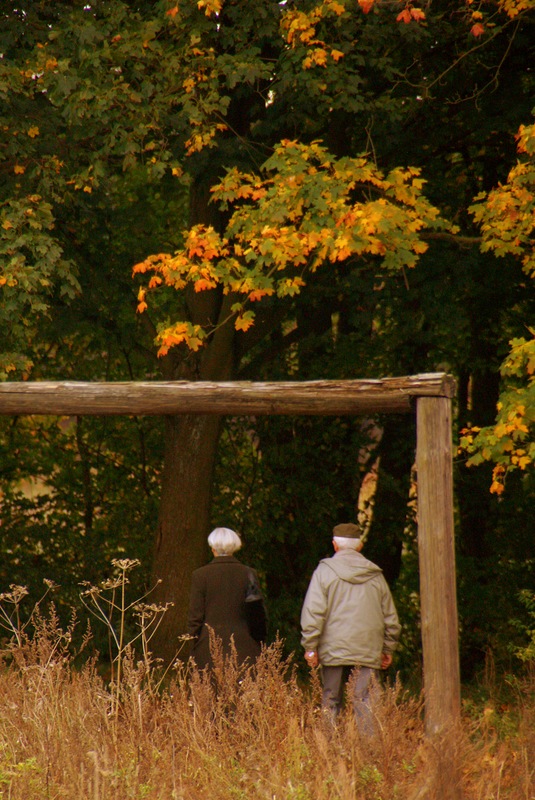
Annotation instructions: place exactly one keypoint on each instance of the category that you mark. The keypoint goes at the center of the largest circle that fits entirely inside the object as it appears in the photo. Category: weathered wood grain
(236, 398)
(436, 552)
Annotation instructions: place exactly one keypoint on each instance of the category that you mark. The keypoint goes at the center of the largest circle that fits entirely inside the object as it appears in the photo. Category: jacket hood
(351, 566)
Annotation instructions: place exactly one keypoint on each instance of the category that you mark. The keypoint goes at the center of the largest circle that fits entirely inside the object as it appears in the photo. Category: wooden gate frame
(430, 393)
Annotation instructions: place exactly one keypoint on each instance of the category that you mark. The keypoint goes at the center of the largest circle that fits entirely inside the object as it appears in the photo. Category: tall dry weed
(233, 734)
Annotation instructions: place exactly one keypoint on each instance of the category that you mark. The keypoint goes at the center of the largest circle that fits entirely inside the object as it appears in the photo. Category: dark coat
(217, 600)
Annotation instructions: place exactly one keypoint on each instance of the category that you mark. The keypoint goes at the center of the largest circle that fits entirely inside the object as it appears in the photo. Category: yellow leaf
(244, 321)
(417, 14)
(210, 6)
(188, 85)
(33, 132)
(337, 8)
(19, 170)
(420, 247)
(319, 56)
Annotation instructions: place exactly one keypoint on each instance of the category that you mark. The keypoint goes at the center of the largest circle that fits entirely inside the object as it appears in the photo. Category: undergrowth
(68, 732)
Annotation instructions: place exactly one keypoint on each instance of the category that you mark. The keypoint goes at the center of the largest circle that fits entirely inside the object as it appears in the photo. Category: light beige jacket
(348, 614)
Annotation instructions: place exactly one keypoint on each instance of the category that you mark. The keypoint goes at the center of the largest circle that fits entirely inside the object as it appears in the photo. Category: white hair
(224, 541)
(345, 543)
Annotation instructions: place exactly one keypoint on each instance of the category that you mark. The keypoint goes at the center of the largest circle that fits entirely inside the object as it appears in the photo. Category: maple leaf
(477, 30)
(417, 14)
(188, 85)
(172, 12)
(498, 473)
(210, 6)
(203, 284)
(183, 332)
(338, 9)
(258, 294)
(404, 16)
(318, 56)
(244, 321)
(366, 5)
(141, 306)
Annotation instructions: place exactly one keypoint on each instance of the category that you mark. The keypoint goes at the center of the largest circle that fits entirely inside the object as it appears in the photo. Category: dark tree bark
(184, 520)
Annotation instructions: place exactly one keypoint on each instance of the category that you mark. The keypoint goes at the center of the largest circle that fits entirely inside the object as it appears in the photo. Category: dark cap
(347, 530)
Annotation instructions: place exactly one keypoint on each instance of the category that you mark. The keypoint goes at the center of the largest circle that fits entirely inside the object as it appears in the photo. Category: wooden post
(437, 565)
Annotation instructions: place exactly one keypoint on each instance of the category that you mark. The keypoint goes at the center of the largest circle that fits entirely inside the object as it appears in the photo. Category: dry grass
(66, 733)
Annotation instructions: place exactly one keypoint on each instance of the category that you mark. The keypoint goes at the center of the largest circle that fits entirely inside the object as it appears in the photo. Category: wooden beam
(436, 552)
(237, 398)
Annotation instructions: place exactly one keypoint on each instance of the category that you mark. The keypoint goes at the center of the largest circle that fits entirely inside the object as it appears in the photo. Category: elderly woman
(226, 597)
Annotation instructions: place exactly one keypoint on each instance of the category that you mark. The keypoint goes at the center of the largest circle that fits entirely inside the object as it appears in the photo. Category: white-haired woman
(226, 597)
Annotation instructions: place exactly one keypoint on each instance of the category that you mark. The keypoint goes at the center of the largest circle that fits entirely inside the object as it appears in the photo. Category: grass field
(68, 732)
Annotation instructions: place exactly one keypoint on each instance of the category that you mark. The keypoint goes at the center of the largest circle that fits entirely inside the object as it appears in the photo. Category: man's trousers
(334, 680)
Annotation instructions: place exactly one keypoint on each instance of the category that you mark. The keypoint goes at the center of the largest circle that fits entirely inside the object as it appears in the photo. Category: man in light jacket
(348, 620)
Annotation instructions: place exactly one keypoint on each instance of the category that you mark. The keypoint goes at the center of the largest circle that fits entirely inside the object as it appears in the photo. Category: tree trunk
(184, 521)
(397, 452)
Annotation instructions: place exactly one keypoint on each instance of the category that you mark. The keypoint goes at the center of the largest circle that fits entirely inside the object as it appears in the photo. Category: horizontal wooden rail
(236, 398)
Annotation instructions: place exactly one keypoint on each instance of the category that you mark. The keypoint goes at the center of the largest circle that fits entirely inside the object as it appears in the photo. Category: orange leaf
(172, 12)
(257, 294)
(477, 30)
(404, 16)
(202, 284)
(366, 5)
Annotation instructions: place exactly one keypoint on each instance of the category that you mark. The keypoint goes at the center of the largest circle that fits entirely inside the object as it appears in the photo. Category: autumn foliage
(305, 211)
(506, 217)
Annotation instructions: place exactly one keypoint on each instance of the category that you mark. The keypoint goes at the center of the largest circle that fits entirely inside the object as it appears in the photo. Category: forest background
(306, 190)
